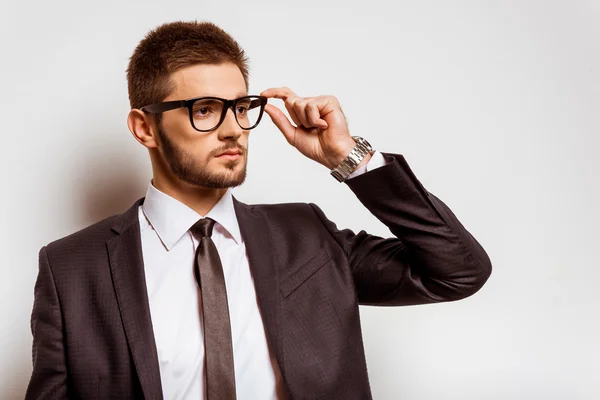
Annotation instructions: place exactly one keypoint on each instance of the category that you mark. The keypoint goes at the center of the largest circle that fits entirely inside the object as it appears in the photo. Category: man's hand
(321, 131)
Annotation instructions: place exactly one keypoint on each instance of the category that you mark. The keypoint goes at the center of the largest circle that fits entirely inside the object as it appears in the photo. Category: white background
(493, 103)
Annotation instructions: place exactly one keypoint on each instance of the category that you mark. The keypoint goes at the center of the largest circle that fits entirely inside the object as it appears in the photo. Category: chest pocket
(302, 274)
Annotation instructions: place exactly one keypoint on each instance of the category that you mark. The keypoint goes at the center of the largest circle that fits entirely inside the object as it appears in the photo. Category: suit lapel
(260, 249)
(127, 269)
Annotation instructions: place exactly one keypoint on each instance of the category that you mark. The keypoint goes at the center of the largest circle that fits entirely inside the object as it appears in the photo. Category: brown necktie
(220, 375)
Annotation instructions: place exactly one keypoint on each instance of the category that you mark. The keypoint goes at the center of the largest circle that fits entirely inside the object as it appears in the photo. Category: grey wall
(493, 103)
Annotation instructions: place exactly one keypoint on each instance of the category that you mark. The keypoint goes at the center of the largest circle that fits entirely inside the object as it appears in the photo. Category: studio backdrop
(494, 104)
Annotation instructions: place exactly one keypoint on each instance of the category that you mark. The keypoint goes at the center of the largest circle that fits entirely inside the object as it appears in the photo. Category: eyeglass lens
(206, 113)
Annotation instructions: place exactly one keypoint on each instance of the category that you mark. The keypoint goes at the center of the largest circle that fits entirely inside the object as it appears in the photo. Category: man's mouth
(230, 155)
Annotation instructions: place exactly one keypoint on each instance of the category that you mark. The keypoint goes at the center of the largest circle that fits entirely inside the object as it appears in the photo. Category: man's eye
(202, 111)
(242, 110)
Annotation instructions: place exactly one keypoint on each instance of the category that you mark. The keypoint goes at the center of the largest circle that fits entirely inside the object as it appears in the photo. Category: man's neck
(199, 199)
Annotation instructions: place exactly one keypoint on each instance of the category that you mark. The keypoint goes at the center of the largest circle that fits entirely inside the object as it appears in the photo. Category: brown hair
(173, 46)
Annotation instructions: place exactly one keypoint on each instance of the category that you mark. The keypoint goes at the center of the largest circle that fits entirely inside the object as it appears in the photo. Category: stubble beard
(186, 167)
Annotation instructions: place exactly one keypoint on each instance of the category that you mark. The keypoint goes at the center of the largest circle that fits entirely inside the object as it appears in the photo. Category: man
(192, 294)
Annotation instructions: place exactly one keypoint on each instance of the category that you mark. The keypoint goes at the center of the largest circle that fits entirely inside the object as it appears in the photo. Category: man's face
(193, 156)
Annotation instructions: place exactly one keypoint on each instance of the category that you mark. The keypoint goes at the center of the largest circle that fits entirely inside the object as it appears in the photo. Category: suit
(91, 323)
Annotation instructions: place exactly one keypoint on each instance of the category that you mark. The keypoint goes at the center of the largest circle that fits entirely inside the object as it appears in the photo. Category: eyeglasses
(208, 113)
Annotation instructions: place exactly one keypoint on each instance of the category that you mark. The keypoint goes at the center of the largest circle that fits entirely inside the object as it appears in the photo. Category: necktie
(220, 375)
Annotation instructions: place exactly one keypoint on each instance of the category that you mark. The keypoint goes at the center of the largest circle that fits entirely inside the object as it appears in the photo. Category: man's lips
(230, 154)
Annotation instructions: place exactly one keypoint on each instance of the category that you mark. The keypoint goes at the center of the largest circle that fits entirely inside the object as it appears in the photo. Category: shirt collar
(171, 219)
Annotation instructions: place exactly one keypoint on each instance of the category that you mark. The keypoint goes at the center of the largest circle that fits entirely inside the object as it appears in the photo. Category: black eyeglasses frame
(158, 108)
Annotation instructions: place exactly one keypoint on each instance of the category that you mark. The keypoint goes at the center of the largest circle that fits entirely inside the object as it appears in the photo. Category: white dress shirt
(168, 250)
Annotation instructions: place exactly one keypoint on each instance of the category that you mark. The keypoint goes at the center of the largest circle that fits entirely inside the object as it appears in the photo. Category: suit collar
(124, 221)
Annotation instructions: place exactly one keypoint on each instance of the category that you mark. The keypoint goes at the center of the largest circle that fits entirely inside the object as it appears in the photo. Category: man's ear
(140, 125)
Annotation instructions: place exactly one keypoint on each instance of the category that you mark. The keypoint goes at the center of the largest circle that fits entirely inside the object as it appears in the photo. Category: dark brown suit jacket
(92, 332)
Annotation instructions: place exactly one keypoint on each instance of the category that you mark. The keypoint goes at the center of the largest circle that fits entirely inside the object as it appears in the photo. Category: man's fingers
(281, 122)
(290, 107)
(300, 109)
(314, 116)
(279, 93)
(304, 112)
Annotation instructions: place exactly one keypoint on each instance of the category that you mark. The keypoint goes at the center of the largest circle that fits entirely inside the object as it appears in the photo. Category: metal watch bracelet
(346, 167)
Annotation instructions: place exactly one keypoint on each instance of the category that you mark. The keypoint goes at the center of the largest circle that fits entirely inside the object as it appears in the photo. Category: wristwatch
(350, 163)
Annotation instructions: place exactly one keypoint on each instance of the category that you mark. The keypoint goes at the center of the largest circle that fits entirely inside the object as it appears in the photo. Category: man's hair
(173, 46)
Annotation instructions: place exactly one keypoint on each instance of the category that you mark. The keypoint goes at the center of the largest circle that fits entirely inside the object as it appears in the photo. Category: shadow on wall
(111, 192)
(112, 176)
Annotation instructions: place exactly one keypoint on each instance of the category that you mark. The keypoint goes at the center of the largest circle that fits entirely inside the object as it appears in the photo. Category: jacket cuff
(377, 160)
(394, 177)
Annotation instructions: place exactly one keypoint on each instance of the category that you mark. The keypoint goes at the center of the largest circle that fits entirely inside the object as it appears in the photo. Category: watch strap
(349, 164)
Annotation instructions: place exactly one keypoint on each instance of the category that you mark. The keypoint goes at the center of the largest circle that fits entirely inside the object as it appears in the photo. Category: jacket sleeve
(49, 376)
(432, 257)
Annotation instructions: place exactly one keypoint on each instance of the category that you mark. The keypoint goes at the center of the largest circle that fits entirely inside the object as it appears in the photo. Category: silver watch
(350, 163)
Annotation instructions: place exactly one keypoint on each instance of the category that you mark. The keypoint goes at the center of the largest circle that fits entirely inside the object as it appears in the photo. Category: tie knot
(203, 227)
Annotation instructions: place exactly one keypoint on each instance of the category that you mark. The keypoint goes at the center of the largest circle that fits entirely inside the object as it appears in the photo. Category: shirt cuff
(377, 160)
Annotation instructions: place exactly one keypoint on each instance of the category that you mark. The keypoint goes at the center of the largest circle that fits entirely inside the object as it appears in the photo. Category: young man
(192, 294)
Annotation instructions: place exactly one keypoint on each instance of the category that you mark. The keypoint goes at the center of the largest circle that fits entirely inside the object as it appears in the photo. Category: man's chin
(225, 178)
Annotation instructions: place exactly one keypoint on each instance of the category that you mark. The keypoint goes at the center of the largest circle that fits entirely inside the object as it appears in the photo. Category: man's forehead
(222, 80)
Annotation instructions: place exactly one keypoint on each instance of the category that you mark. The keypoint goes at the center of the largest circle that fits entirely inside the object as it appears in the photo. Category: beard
(187, 167)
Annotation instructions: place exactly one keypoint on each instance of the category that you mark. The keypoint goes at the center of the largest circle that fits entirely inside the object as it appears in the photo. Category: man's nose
(230, 125)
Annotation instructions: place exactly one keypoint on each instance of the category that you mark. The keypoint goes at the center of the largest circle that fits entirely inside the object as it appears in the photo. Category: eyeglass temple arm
(162, 107)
